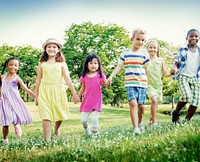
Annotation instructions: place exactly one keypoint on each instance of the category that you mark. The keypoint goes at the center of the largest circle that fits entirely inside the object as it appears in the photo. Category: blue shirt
(181, 58)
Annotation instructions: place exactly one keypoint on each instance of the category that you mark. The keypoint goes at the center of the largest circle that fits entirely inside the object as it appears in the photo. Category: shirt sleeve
(82, 80)
(146, 60)
(121, 59)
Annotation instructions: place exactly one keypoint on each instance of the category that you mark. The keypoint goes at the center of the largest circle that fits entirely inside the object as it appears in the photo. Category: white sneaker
(87, 131)
(137, 131)
(142, 128)
(154, 125)
(95, 135)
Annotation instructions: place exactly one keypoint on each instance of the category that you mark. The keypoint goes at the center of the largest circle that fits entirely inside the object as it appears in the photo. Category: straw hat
(51, 40)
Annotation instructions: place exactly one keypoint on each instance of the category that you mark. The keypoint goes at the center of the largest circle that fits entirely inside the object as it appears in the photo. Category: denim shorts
(137, 93)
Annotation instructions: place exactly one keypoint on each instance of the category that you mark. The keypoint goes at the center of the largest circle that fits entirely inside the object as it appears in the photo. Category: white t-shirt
(192, 63)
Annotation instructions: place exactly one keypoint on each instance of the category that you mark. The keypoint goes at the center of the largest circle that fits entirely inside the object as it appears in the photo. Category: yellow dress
(52, 98)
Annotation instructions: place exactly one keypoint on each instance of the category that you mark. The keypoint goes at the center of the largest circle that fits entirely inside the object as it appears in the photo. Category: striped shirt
(134, 64)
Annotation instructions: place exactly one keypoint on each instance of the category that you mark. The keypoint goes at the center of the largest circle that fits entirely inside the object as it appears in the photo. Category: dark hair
(192, 30)
(59, 57)
(89, 58)
(5, 65)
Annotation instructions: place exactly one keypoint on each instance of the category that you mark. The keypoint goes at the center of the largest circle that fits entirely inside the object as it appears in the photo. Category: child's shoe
(141, 127)
(87, 131)
(95, 135)
(154, 125)
(5, 141)
(137, 131)
(18, 130)
(175, 117)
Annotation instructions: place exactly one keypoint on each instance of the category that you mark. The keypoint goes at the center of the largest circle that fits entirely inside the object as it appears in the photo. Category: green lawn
(116, 141)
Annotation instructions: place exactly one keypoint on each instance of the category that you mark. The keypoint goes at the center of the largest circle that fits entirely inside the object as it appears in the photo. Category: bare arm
(166, 74)
(67, 78)
(175, 69)
(25, 88)
(115, 72)
(81, 91)
(38, 81)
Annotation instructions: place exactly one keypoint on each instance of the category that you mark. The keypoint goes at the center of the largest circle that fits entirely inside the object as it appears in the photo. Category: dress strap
(4, 76)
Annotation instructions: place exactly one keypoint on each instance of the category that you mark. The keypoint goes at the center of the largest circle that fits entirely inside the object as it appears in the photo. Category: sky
(31, 22)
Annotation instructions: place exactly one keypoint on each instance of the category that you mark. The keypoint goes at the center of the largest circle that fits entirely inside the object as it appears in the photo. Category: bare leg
(46, 124)
(190, 112)
(5, 131)
(140, 113)
(57, 128)
(179, 106)
(133, 113)
(154, 106)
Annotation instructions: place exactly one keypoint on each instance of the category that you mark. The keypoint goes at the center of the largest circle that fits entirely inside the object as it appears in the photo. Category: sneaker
(175, 117)
(18, 130)
(95, 135)
(154, 125)
(5, 141)
(137, 131)
(87, 131)
(141, 127)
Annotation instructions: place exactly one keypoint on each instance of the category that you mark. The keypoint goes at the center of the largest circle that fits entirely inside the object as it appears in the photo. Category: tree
(107, 41)
(28, 57)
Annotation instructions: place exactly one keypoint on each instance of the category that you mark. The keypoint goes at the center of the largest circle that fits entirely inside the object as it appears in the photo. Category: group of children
(143, 76)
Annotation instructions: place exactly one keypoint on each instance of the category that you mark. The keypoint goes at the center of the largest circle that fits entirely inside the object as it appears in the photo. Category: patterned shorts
(189, 90)
(137, 93)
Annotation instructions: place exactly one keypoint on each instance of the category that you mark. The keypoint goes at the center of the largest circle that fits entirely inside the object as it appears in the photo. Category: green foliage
(28, 57)
(107, 41)
(116, 141)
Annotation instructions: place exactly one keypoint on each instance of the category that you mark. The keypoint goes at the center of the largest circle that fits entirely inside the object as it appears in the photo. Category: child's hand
(109, 81)
(174, 71)
(76, 99)
(36, 102)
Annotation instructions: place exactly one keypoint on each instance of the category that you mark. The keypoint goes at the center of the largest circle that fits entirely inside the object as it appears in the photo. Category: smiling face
(138, 40)
(93, 65)
(193, 38)
(52, 49)
(153, 48)
(13, 66)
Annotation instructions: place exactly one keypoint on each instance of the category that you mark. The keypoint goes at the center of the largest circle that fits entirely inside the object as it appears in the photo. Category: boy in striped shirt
(135, 62)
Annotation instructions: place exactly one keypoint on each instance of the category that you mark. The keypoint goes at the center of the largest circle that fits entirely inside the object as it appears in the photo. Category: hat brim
(54, 42)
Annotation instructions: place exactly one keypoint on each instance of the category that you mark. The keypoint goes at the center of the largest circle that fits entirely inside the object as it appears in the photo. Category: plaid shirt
(181, 58)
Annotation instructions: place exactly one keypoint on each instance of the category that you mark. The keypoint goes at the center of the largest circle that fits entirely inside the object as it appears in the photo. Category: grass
(116, 141)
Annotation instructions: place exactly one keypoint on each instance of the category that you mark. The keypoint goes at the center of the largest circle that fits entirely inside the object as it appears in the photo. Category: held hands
(36, 102)
(108, 82)
(174, 71)
(76, 99)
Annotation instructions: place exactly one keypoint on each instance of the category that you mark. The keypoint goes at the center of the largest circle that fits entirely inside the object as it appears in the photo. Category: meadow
(116, 141)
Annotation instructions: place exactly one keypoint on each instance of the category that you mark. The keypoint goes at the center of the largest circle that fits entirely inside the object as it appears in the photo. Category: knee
(133, 104)
(154, 100)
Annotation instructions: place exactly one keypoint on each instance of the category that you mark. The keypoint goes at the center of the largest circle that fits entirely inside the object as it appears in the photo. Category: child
(50, 90)
(155, 70)
(187, 70)
(12, 107)
(135, 61)
(92, 79)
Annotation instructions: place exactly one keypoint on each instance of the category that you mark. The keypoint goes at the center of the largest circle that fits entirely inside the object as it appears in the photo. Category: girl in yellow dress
(50, 90)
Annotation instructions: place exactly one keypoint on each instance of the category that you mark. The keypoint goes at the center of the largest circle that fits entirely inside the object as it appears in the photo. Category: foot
(154, 125)
(142, 128)
(18, 130)
(137, 131)
(87, 131)
(175, 117)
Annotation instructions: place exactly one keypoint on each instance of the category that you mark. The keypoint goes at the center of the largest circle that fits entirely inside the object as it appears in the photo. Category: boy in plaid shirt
(187, 72)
